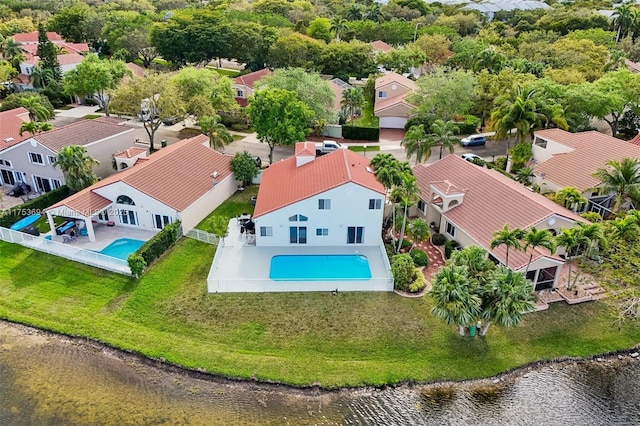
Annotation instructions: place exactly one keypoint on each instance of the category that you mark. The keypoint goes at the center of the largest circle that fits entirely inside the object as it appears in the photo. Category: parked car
(473, 140)
(327, 146)
(473, 158)
(170, 121)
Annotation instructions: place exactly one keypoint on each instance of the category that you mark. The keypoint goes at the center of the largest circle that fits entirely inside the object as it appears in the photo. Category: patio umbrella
(25, 221)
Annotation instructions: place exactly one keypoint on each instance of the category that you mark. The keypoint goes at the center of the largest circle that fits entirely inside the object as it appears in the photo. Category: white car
(472, 157)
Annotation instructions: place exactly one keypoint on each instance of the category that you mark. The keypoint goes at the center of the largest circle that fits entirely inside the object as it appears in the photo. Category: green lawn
(223, 71)
(298, 338)
(238, 203)
(366, 119)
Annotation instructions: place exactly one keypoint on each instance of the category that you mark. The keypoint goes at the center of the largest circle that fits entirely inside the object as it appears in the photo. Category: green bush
(37, 205)
(404, 273)
(500, 163)
(468, 126)
(449, 247)
(361, 133)
(405, 244)
(419, 257)
(136, 264)
(237, 120)
(438, 239)
(425, 120)
(391, 251)
(161, 242)
(418, 283)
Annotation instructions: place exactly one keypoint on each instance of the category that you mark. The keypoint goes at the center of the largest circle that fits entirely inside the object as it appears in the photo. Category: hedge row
(361, 133)
(37, 205)
(161, 242)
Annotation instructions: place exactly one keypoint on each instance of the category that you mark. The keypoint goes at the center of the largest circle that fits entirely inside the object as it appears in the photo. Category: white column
(90, 233)
(52, 224)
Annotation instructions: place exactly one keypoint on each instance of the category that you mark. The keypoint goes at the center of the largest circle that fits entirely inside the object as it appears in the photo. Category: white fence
(203, 236)
(68, 251)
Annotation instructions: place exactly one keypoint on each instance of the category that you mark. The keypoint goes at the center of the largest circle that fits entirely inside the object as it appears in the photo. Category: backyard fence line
(67, 251)
(203, 236)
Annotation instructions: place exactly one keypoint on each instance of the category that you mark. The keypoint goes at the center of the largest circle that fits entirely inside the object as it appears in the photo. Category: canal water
(49, 380)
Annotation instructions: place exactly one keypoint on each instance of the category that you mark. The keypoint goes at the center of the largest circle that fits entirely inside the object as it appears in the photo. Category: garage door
(392, 122)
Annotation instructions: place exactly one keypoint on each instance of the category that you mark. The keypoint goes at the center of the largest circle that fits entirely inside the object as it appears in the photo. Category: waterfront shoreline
(53, 337)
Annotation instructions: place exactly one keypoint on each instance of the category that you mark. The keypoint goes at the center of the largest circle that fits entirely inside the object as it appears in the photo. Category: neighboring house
(390, 104)
(129, 157)
(136, 70)
(468, 203)
(70, 55)
(184, 181)
(324, 210)
(10, 123)
(563, 159)
(380, 46)
(244, 84)
(335, 200)
(338, 87)
(30, 160)
(633, 67)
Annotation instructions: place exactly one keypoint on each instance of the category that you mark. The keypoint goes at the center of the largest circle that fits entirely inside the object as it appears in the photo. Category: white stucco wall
(145, 206)
(349, 207)
(193, 214)
(543, 154)
(18, 155)
(103, 149)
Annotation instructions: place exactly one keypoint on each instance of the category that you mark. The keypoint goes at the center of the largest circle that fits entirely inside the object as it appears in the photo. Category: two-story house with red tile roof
(184, 181)
(468, 203)
(243, 85)
(563, 159)
(390, 104)
(30, 158)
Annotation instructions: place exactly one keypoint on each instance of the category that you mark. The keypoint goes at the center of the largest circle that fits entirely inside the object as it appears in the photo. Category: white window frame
(33, 154)
(239, 93)
(266, 231)
(450, 229)
(322, 232)
(382, 94)
(356, 240)
(51, 159)
(162, 217)
(324, 204)
(375, 203)
(5, 163)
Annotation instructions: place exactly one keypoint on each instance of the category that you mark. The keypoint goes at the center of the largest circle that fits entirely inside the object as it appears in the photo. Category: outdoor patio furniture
(66, 226)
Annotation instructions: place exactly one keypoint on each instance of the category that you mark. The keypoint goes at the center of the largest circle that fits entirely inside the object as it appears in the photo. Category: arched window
(123, 199)
(298, 218)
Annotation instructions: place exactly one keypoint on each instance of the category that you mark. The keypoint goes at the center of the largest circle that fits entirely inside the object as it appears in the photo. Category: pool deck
(240, 266)
(105, 235)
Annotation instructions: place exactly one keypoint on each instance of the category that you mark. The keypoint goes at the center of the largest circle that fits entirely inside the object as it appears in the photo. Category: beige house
(390, 106)
(244, 84)
(563, 159)
(468, 203)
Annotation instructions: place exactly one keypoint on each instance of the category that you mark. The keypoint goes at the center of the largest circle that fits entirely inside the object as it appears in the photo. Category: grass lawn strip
(297, 338)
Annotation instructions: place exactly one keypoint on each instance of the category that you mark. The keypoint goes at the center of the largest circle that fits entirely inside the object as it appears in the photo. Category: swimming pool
(319, 267)
(122, 248)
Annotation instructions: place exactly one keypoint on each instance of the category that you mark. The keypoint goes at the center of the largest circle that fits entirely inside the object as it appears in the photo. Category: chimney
(305, 153)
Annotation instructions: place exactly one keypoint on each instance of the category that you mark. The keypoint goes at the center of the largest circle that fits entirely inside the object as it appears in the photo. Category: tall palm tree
(623, 178)
(37, 111)
(11, 48)
(388, 170)
(622, 19)
(417, 142)
(454, 298)
(352, 99)
(374, 13)
(571, 239)
(338, 24)
(41, 77)
(35, 127)
(593, 232)
(518, 110)
(218, 134)
(442, 133)
(507, 238)
(505, 297)
(418, 230)
(77, 165)
(407, 194)
(534, 238)
(354, 13)
(474, 258)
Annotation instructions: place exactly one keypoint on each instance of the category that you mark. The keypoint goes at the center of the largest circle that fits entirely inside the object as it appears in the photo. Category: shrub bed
(419, 257)
(37, 205)
(438, 239)
(361, 133)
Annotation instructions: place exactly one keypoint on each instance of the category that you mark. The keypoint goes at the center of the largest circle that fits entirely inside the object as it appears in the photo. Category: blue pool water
(122, 248)
(319, 267)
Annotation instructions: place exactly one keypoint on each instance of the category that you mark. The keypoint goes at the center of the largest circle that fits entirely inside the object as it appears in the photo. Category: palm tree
(37, 111)
(352, 99)
(454, 297)
(489, 59)
(570, 198)
(517, 110)
(41, 77)
(505, 297)
(622, 19)
(534, 238)
(571, 239)
(507, 238)
(417, 142)
(34, 127)
(221, 227)
(623, 178)
(338, 23)
(354, 13)
(77, 165)
(418, 230)
(407, 194)
(593, 232)
(624, 228)
(474, 258)
(388, 170)
(374, 13)
(11, 49)
(442, 133)
(218, 134)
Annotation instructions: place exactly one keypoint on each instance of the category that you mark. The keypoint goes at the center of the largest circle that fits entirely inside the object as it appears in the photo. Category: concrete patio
(240, 266)
(105, 235)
